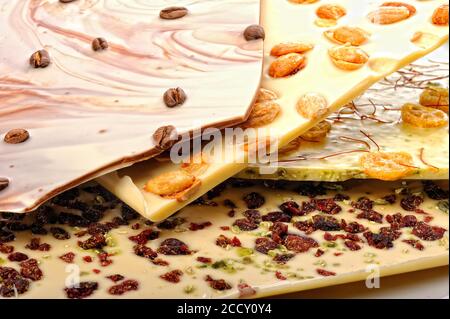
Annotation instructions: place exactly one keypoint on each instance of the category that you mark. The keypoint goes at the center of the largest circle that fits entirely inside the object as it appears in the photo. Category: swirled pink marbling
(89, 113)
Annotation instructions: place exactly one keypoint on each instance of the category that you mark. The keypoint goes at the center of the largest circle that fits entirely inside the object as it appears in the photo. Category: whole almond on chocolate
(16, 136)
(254, 32)
(172, 13)
(4, 183)
(40, 59)
(165, 137)
(99, 44)
(174, 97)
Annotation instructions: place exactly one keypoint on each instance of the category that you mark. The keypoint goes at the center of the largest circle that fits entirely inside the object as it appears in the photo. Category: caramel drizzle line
(421, 157)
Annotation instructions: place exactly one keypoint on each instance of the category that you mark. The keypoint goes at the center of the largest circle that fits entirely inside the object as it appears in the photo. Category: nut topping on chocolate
(254, 32)
(174, 97)
(16, 136)
(40, 59)
(165, 137)
(172, 13)
(99, 44)
(4, 183)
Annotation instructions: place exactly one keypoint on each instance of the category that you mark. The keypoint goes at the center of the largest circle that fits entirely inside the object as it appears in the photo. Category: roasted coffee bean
(172, 13)
(4, 183)
(165, 137)
(174, 97)
(99, 44)
(254, 32)
(40, 59)
(16, 136)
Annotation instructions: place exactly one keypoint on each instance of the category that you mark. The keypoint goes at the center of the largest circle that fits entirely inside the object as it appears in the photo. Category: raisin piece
(6, 249)
(8, 273)
(219, 284)
(160, 262)
(216, 191)
(327, 206)
(371, 215)
(352, 227)
(223, 241)
(144, 251)
(283, 259)
(17, 256)
(116, 278)
(411, 202)
(59, 233)
(126, 286)
(195, 226)
(264, 245)
(352, 245)
(229, 203)
(341, 197)
(326, 223)
(280, 229)
(10, 286)
(171, 223)
(253, 215)
(30, 270)
(93, 215)
(382, 240)
(97, 241)
(363, 203)
(427, 232)
(37, 229)
(245, 224)
(172, 246)
(84, 290)
(35, 244)
(241, 183)
(391, 199)
(300, 244)
(46, 215)
(143, 237)
(17, 226)
(73, 220)
(277, 217)
(311, 190)
(97, 228)
(173, 276)
(68, 257)
(254, 200)
(433, 191)
(305, 226)
(128, 213)
(290, 208)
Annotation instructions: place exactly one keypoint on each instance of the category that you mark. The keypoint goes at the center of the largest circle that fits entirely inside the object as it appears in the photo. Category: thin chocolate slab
(87, 80)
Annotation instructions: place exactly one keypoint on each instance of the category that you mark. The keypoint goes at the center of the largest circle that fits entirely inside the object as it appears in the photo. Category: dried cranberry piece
(173, 276)
(299, 244)
(382, 240)
(104, 259)
(17, 256)
(371, 215)
(399, 221)
(290, 208)
(353, 227)
(305, 226)
(325, 273)
(327, 206)
(245, 224)
(97, 241)
(116, 277)
(326, 223)
(363, 203)
(279, 275)
(411, 202)
(68, 257)
(84, 290)
(415, 244)
(98, 228)
(35, 244)
(253, 215)
(279, 229)
(143, 237)
(195, 226)
(30, 269)
(160, 262)
(59, 233)
(427, 232)
(283, 258)
(433, 191)
(264, 245)
(8, 273)
(6, 249)
(245, 290)
(319, 253)
(172, 246)
(277, 217)
(254, 200)
(126, 286)
(204, 260)
(10, 286)
(353, 246)
(144, 251)
(223, 241)
(219, 284)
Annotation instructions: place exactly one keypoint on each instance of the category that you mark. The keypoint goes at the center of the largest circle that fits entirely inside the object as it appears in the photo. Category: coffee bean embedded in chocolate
(99, 44)
(172, 13)
(165, 137)
(174, 97)
(4, 183)
(254, 32)
(40, 59)
(16, 136)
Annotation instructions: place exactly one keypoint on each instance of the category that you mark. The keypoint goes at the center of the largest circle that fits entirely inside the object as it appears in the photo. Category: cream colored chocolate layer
(92, 112)
(369, 123)
(245, 264)
(389, 47)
